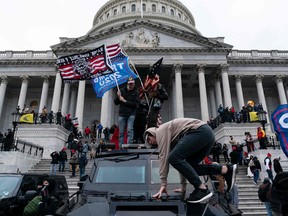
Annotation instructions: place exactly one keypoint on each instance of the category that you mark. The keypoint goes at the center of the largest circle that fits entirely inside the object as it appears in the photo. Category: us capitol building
(199, 73)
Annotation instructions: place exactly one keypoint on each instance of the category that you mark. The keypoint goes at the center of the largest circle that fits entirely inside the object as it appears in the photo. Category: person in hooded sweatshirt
(184, 143)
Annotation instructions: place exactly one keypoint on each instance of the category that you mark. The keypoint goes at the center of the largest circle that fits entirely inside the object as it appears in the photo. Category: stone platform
(50, 136)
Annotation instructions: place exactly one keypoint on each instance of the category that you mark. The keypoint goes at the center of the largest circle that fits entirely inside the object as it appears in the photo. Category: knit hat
(269, 155)
(234, 148)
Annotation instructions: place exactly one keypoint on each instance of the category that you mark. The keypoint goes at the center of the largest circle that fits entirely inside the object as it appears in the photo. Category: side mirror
(30, 194)
(82, 180)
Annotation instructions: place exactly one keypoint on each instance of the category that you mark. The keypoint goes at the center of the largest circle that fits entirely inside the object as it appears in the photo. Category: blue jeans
(268, 208)
(126, 121)
(270, 174)
(256, 175)
(61, 165)
(53, 169)
(190, 150)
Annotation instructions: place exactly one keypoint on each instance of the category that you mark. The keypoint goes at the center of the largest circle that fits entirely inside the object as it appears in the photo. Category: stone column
(260, 91)
(3, 87)
(65, 99)
(281, 91)
(203, 93)
(226, 86)
(107, 109)
(80, 103)
(56, 93)
(44, 94)
(239, 91)
(23, 91)
(218, 92)
(173, 101)
(212, 102)
(73, 102)
(178, 91)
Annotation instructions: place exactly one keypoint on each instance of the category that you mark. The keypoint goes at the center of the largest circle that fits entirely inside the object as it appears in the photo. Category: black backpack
(263, 190)
(279, 192)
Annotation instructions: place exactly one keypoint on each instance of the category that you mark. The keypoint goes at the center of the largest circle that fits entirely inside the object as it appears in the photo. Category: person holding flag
(128, 99)
(156, 94)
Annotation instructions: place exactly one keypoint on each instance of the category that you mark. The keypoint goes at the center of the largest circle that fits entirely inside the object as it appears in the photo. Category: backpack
(262, 191)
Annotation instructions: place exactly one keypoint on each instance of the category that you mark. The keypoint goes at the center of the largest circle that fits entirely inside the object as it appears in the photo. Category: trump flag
(280, 123)
(84, 66)
(120, 66)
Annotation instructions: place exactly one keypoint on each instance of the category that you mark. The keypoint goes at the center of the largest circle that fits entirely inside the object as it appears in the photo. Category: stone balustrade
(29, 54)
(258, 54)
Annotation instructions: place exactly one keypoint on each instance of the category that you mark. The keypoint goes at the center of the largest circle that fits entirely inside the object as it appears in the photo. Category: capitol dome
(167, 12)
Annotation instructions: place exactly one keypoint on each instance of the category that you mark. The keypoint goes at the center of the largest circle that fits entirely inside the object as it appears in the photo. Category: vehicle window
(173, 175)
(122, 172)
(8, 185)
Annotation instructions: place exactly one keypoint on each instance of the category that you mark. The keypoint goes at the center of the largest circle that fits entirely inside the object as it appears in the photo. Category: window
(172, 12)
(133, 8)
(8, 185)
(144, 7)
(179, 15)
(124, 172)
(107, 15)
(163, 9)
(115, 12)
(124, 9)
(153, 8)
(173, 176)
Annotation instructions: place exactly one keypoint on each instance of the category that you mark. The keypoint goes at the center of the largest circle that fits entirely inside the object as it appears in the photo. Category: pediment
(143, 35)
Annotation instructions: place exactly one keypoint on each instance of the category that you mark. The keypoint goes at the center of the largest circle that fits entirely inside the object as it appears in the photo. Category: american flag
(115, 52)
(84, 66)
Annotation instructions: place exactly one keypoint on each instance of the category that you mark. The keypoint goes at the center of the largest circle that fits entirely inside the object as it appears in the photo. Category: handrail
(20, 145)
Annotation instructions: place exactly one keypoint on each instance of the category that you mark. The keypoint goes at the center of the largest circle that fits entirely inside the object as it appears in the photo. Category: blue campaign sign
(121, 73)
(280, 123)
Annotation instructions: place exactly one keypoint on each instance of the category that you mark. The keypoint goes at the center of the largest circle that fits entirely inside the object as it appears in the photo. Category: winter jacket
(277, 166)
(167, 134)
(132, 99)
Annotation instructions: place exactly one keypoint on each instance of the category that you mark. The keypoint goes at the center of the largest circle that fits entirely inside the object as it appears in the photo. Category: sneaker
(230, 176)
(199, 195)
(255, 183)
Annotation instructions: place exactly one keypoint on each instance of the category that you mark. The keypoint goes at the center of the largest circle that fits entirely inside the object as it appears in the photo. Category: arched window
(107, 15)
(115, 12)
(124, 9)
(153, 8)
(144, 7)
(163, 9)
(172, 12)
(179, 15)
(133, 8)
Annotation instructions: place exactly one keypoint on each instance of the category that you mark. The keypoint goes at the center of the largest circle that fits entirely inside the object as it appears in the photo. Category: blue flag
(120, 66)
(280, 123)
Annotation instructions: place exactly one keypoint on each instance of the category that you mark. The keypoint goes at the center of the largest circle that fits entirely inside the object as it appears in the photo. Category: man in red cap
(268, 166)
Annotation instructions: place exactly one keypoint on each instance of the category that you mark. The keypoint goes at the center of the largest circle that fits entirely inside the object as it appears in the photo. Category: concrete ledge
(51, 136)
(17, 161)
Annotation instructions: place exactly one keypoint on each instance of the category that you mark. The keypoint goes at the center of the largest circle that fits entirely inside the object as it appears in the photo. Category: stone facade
(199, 73)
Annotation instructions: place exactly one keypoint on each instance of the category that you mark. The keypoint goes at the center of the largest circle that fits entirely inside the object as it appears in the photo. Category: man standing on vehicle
(184, 143)
(128, 99)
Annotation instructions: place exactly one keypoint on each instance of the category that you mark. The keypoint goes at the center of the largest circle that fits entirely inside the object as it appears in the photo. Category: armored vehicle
(123, 182)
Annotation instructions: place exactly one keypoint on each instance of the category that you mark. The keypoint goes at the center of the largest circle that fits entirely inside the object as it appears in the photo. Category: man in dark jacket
(277, 166)
(62, 159)
(55, 158)
(255, 169)
(128, 99)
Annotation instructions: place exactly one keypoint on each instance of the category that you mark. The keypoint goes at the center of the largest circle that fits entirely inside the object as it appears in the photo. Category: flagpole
(137, 75)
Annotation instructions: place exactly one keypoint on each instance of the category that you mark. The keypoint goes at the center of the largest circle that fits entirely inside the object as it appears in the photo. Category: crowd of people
(245, 115)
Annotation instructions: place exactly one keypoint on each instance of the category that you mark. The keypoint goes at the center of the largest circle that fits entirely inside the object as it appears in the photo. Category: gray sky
(245, 24)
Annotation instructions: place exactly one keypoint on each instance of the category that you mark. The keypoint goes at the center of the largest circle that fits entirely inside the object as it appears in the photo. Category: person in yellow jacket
(184, 143)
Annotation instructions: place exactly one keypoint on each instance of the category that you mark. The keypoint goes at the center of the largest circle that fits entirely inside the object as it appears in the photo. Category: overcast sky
(245, 24)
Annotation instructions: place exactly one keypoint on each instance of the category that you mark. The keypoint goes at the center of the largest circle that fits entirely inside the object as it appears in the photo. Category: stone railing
(258, 54)
(22, 146)
(29, 54)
